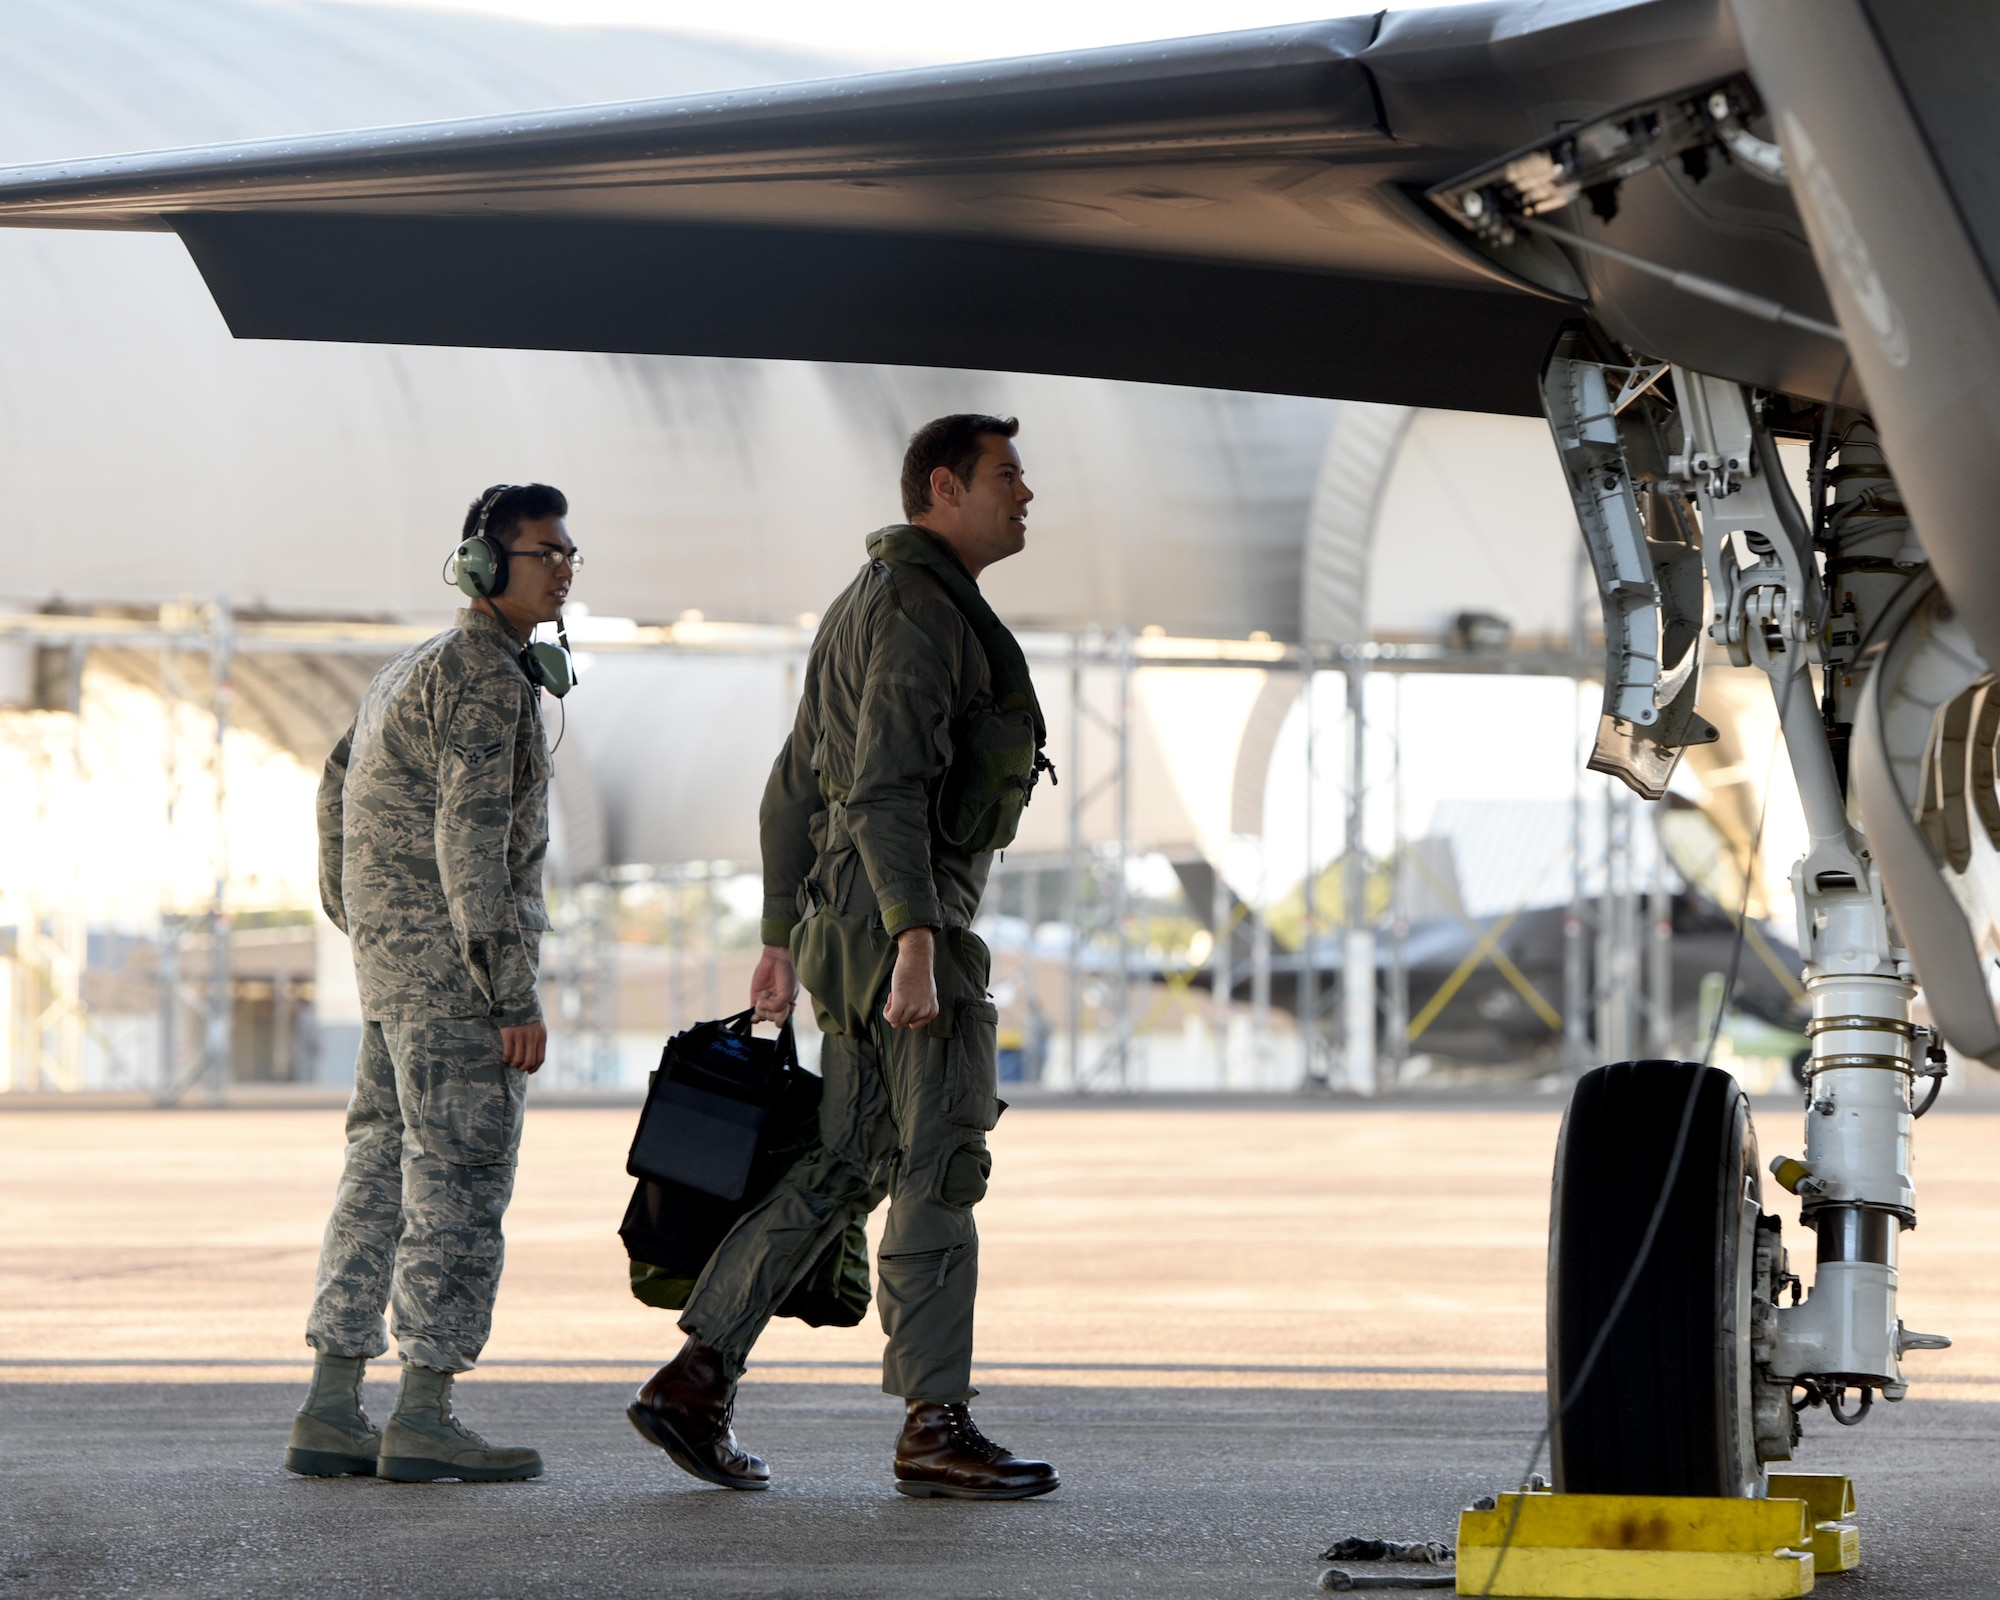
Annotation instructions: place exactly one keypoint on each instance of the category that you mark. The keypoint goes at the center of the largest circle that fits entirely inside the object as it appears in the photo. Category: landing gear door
(1613, 435)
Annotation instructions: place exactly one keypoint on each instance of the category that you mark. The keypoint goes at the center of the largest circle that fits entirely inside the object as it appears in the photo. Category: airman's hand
(913, 986)
(774, 986)
(526, 1047)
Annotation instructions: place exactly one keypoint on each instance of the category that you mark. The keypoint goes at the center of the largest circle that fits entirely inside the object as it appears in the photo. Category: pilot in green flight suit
(917, 742)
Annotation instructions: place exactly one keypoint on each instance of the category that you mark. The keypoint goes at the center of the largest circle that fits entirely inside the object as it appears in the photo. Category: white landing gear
(1691, 1392)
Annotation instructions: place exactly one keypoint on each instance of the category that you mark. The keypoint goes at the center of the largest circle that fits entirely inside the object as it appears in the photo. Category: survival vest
(997, 744)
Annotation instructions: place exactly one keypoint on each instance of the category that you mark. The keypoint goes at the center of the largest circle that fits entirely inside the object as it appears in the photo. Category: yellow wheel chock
(1661, 1547)
(1829, 1499)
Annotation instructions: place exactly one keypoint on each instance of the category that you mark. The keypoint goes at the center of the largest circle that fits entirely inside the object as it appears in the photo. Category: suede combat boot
(332, 1436)
(943, 1455)
(425, 1442)
(686, 1408)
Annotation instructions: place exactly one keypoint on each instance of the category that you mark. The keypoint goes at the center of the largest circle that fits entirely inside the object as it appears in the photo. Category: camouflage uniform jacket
(433, 821)
(893, 668)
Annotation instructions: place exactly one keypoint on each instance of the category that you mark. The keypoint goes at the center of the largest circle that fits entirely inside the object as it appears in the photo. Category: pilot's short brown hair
(953, 442)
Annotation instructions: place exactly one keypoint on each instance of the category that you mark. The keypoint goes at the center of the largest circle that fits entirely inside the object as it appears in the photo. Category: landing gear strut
(1691, 1390)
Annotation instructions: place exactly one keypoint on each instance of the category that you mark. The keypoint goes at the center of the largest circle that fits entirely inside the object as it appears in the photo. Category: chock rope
(1337, 1581)
(1430, 1552)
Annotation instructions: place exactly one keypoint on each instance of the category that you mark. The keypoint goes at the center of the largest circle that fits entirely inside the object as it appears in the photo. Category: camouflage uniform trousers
(905, 1114)
(432, 1134)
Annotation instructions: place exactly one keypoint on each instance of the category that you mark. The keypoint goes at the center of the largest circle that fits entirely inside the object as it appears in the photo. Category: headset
(478, 567)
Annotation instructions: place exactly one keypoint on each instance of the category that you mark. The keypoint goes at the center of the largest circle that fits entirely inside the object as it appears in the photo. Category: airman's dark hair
(515, 504)
(952, 442)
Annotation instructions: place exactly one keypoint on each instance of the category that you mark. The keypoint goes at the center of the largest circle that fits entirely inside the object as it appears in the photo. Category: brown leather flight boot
(685, 1409)
(943, 1455)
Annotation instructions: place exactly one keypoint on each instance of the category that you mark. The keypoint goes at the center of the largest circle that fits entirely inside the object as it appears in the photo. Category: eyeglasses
(572, 558)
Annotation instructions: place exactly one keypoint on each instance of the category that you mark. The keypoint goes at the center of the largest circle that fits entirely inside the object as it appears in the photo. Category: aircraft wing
(1240, 211)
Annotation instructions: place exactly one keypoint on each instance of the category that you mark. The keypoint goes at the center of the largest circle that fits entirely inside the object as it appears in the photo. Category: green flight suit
(853, 854)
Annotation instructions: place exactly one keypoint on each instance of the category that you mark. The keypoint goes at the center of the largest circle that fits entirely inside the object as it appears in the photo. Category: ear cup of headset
(547, 667)
(479, 568)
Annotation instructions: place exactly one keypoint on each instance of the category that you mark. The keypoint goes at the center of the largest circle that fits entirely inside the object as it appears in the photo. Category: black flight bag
(707, 1106)
(726, 1116)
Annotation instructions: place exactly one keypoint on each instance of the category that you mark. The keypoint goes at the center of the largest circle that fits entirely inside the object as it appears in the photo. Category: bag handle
(787, 1041)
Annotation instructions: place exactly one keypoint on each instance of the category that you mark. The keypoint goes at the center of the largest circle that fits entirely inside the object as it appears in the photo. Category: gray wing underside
(1239, 211)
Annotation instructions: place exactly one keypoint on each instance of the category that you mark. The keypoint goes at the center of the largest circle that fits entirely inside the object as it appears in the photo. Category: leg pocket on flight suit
(471, 1100)
(971, 1066)
(966, 1171)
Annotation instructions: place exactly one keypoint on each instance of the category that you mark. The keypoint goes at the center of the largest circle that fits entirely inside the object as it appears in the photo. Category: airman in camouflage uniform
(433, 822)
(871, 886)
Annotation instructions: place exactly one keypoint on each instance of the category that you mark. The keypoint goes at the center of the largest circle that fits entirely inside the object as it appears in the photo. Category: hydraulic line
(1721, 294)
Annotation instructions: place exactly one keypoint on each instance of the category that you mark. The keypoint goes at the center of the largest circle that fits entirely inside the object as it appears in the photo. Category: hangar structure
(269, 515)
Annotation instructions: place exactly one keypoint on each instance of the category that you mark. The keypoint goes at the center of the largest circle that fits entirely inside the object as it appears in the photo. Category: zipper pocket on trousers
(944, 1258)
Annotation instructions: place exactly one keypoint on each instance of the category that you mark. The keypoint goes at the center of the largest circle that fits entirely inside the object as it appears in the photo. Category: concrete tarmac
(1239, 1333)
(175, 1491)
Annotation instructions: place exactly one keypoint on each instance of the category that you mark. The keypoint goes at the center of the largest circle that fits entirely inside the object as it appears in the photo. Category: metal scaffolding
(1358, 998)
(1097, 916)
(1357, 1047)
(581, 962)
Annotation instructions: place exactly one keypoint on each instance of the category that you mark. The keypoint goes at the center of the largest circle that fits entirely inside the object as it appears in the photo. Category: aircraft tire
(1667, 1407)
